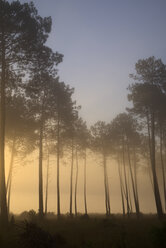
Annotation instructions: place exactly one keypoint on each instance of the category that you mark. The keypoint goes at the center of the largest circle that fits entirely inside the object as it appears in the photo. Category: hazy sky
(101, 41)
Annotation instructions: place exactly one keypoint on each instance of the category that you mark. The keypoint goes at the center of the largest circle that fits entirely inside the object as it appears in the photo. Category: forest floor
(93, 231)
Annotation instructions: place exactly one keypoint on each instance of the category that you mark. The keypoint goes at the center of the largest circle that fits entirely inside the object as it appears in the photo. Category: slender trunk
(9, 182)
(162, 165)
(9, 194)
(71, 178)
(133, 183)
(108, 193)
(121, 188)
(150, 174)
(105, 185)
(11, 165)
(58, 163)
(125, 179)
(3, 201)
(150, 152)
(85, 201)
(135, 178)
(47, 177)
(41, 169)
(76, 182)
(129, 192)
(153, 165)
(149, 136)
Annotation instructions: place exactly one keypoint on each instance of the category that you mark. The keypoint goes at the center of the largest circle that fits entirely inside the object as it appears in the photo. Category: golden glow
(24, 193)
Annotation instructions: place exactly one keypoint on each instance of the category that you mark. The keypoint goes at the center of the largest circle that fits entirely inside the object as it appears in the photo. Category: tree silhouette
(100, 143)
(62, 108)
(146, 94)
(20, 132)
(81, 143)
(22, 31)
(126, 140)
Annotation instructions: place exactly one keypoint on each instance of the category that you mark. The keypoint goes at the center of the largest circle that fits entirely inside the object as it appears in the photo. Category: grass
(97, 231)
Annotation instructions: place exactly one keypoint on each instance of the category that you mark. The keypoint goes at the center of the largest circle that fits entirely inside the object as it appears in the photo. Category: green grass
(97, 231)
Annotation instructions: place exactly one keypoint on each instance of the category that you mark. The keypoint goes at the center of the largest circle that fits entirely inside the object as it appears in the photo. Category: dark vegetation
(27, 230)
(38, 114)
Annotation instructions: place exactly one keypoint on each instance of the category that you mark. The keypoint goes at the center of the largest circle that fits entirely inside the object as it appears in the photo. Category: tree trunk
(3, 202)
(58, 160)
(85, 201)
(135, 178)
(9, 181)
(125, 180)
(105, 185)
(11, 165)
(41, 169)
(71, 178)
(47, 178)
(150, 153)
(133, 184)
(121, 188)
(153, 165)
(108, 192)
(129, 193)
(162, 165)
(76, 183)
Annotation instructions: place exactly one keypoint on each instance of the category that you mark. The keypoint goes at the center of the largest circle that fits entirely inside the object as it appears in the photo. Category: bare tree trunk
(11, 165)
(129, 192)
(76, 182)
(133, 183)
(85, 201)
(41, 169)
(121, 188)
(108, 193)
(153, 165)
(149, 135)
(71, 178)
(106, 186)
(9, 194)
(47, 178)
(3, 202)
(162, 165)
(58, 160)
(150, 153)
(135, 178)
(125, 180)
(9, 181)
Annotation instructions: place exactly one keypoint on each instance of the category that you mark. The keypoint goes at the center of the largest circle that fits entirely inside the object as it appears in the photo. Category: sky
(101, 41)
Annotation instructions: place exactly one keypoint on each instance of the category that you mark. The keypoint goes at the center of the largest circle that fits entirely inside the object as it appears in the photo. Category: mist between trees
(38, 114)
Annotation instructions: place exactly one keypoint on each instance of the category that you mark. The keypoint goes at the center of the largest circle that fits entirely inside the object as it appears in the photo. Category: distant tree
(38, 90)
(126, 140)
(84, 146)
(47, 151)
(62, 110)
(70, 141)
(100, 143)
(81, 143)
